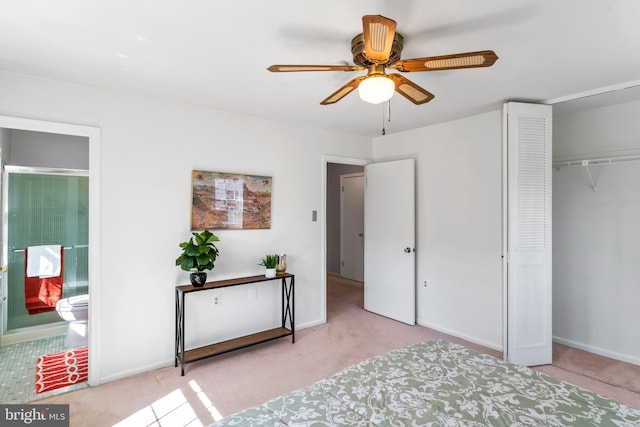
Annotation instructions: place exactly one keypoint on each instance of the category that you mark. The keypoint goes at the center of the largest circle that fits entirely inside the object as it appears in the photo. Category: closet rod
(597, 162)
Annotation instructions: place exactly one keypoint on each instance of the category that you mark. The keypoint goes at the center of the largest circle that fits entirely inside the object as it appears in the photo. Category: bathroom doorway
(66, 152)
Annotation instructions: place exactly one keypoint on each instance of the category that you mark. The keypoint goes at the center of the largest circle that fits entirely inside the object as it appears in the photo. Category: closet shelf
(603, 161)
(597, 162)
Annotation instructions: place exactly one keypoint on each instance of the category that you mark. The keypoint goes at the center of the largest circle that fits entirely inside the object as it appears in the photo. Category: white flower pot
(269, 273)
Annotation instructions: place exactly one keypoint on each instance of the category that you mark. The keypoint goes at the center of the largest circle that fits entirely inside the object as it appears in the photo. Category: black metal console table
(183, 356)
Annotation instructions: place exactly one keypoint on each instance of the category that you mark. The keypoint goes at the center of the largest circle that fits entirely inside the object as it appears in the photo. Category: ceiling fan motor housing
(360, 58)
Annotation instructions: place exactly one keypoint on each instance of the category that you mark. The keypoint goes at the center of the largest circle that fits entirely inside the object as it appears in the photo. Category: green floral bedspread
(437, 383)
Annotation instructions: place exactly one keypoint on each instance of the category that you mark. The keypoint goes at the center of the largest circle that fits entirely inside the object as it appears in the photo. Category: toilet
(75, 310)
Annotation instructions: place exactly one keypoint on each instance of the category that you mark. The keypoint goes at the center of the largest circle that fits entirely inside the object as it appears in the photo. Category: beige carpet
(607, 377)
(226, 384)
(615, 372)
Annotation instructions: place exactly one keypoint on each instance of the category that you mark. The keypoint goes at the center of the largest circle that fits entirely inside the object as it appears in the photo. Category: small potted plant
(198, 255)
(269, 263)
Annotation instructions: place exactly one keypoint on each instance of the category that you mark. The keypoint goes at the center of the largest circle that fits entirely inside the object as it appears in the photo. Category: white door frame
(93, 134)
(326, 159)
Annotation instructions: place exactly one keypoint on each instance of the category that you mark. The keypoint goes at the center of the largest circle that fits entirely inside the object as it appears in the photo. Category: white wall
(48, 150)
(459, 221)
(148, 149)
(596, 268)
(5, 144)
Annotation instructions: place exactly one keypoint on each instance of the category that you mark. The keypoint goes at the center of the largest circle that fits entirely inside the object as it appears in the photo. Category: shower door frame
(30, 170)
(94, 136)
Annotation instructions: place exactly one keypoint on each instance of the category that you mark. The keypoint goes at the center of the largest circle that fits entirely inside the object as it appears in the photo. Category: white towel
(43, 261)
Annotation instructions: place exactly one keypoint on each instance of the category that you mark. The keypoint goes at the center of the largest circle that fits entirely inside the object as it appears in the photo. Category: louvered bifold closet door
(529, 311)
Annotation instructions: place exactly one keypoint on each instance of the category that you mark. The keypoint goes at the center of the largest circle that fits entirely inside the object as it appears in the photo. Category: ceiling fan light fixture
(376, 89)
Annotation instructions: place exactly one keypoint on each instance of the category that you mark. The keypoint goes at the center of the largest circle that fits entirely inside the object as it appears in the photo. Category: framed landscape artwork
(223, 201)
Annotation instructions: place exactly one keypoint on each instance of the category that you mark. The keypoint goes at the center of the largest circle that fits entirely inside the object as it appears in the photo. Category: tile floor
(18, 369)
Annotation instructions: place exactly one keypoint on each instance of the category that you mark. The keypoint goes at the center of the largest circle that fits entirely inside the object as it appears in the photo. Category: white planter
(269, 273)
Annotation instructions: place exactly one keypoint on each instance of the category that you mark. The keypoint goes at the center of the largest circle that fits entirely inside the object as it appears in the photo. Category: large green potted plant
(198, 255)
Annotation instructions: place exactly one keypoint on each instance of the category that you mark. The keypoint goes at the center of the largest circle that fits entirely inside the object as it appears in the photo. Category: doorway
(390, 298)
(333, 169)
(595, 229)
(12, 128)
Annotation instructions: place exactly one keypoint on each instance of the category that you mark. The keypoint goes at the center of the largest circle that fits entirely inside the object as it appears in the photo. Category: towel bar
(64, 247)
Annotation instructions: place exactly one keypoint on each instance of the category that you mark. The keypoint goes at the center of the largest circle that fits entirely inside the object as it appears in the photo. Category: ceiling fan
(378, 48)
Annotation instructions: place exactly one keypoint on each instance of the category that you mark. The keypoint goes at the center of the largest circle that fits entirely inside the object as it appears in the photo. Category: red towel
(41, 295)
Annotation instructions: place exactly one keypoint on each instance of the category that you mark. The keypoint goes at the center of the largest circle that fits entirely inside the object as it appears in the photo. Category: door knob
(407, 250)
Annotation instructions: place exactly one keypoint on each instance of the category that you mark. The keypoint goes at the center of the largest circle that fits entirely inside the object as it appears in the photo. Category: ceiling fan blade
(483, 58)
(410, 90)
(293, 68)
(343, 91)
(378, 33)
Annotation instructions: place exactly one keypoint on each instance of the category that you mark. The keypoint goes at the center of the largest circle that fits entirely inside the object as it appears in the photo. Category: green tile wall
(45, 210)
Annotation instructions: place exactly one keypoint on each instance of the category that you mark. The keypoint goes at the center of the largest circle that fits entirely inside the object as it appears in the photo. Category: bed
(438, 383)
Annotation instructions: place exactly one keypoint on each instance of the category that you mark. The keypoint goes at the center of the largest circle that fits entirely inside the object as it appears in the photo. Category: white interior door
(389, 277)
(352, 226)
(529, 310)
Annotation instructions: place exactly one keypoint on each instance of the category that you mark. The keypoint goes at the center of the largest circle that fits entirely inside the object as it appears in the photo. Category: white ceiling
(215, 53)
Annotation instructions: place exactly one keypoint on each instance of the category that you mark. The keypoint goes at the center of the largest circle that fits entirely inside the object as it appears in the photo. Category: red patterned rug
(62, 369)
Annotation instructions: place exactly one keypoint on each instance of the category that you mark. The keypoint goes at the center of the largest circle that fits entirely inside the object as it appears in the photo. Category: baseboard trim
(132, 372)
(597, 350)
(169, 363)
(310, 324)
(457, 334)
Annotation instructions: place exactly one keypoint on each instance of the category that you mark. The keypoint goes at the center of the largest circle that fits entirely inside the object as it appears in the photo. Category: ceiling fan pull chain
(384, 132)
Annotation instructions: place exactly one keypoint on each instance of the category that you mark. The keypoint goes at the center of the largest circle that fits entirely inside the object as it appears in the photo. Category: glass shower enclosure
(44, 207)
